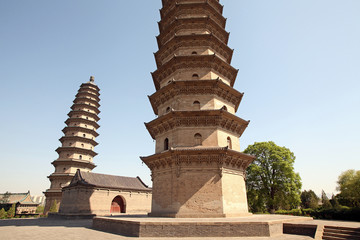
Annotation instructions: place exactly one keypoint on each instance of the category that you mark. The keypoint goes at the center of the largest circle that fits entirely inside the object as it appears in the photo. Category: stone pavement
(55, 229)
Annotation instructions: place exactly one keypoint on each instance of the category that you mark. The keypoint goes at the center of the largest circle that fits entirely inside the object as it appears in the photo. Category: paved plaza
(55, 229)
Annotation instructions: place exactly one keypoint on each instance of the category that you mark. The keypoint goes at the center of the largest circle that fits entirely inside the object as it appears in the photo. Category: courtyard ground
(58, 229)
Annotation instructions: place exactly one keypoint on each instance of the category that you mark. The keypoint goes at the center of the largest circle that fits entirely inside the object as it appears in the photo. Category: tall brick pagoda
(197, 169)
(78, 142)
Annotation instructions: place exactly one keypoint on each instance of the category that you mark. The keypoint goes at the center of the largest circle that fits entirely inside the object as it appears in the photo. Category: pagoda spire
(78, 142)
(197, 169)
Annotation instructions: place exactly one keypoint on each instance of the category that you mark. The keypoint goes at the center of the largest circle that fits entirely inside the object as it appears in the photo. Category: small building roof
(108, 181)
(11, 198)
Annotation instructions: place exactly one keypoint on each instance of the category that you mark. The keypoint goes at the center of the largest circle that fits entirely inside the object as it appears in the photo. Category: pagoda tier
(194, 67)
(170, 5)
(192, 89)
(84, 113)
(77, 146)
(192, 26)
(197, 169)
(190, 45)
(79, 131)
(219, 119)
(183, 10)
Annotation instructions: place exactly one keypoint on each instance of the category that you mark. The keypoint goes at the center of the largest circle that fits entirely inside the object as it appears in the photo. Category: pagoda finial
(92, 79)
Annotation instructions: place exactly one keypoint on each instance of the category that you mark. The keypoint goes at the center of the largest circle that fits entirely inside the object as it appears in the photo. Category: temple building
(78, 142)
(24, 205)
(197, 169)
(93, 194)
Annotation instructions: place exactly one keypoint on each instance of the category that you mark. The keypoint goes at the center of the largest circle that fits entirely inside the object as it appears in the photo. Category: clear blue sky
(299, 66)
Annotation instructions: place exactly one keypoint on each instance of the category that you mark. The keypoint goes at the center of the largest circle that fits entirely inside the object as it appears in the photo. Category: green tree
(325, 200)
(309, 199)
(40, 209)
(271, 181)
(334, 202)
(5, 198)
(53, 207)
(11, 211)
(349, 187)
(2, 213)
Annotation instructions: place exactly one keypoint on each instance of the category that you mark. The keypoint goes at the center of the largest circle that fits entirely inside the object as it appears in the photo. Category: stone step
(343, 230)
(328, 235)
(341, 233)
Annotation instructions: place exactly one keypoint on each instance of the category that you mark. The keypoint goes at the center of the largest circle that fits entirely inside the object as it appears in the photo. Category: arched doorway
(118, 205)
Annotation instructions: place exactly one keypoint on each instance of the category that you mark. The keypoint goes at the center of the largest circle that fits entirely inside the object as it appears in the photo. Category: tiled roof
(108, 181)
(22, 198)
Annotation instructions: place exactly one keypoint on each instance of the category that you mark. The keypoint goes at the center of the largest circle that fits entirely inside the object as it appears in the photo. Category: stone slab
(143, 226)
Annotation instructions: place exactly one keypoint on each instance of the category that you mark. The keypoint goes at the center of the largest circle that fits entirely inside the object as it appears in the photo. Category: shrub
(3, 213)
(11, 211)
(294, 212)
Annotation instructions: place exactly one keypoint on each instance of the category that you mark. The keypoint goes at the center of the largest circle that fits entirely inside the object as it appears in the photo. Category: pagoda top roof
(167, 5)
(202, 7)
(91, 83)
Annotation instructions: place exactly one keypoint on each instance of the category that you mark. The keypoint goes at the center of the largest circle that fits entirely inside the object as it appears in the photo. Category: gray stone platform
(143, 226)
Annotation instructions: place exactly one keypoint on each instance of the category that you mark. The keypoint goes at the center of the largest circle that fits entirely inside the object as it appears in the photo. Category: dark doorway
(117, 205)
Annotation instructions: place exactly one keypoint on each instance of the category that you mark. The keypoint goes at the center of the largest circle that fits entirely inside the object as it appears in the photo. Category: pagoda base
(199, 183)
(206, 215)
(50, 197)
(142, 226)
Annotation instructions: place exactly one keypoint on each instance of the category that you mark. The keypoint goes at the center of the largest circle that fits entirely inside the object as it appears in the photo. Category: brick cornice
(195, 87)
(169, 5)
(203, 8)
(209, 118)
(218, 157)
(80, 129)
(192, 23)
(212, 62)
(199, 40)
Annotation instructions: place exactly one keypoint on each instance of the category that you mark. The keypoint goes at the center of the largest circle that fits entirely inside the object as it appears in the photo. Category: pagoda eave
(84, 163)
(76, 150)
(86, 94)
(205, 23)
(83, 105)
(78, 138)
(90, 85)
(61, 175)
(212, 62)
(83, 112)
(168, 6)
(195, 87)
(209, 118)
(188, 8)
(221, 156)
(92, 101)
(81, 129)
(82, 120)
(212, 42)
